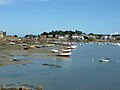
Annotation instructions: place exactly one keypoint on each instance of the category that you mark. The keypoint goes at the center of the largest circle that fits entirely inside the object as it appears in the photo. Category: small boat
(12, 43)
(54, 51)
(104, 60)
(71, 47)
(15, 59)
(65, 50)
(64, 53)
(25, 48)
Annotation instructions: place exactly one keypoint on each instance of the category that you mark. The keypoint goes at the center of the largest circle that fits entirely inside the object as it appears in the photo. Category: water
(77, 72)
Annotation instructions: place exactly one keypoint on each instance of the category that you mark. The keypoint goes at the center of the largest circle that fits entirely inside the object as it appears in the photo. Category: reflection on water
(63, 58)
(78, 72)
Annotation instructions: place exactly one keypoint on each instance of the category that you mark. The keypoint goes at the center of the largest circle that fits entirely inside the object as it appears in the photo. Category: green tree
(90, 38)
(91, 34)
(44, 33)
(15, 35)
(78, 32)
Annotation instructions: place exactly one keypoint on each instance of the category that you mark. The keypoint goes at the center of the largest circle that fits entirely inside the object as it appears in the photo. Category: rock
(0, 87)
(9, 88)
(20, 88)
(52, 65)
(24, 88)
(39, 88)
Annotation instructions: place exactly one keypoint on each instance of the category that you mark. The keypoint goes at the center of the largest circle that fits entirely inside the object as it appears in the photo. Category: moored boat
(73, 46)
(104, 60)
(64, 52)
(54, 51)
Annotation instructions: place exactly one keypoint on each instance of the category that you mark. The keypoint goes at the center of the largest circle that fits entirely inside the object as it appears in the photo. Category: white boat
(104, 60)
(73, 46)
(54, 51)
(118, 44)
(64, 52)
(12, 43)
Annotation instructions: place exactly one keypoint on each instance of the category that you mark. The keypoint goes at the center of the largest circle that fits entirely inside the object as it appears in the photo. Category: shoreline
(9, 52)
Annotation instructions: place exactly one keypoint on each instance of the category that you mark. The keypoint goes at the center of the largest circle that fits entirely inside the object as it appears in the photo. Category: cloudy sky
(23, 17)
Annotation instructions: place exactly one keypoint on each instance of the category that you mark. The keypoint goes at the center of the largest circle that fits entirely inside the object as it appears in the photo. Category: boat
(15, 59)
(64, 52)
(118, 44)
(73, 46)
(54, 51)
(12, 43)
(104, 60)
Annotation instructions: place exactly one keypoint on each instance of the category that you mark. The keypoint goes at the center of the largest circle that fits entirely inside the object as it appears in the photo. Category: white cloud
(6, 2)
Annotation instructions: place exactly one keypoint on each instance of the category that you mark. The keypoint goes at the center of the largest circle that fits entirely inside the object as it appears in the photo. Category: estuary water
(78, 72)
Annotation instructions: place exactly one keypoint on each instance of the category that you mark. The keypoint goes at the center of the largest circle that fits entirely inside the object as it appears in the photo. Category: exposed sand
(8, 52)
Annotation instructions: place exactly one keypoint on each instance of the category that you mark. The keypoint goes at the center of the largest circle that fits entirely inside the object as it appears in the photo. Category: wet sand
(8, 52)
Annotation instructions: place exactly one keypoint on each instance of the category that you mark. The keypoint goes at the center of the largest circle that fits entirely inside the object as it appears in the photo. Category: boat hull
(64, 54)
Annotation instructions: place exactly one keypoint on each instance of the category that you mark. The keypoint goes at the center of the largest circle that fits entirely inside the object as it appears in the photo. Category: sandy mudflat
(8, 52)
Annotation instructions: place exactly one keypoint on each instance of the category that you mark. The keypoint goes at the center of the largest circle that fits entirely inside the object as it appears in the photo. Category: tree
(91, 34)
(85, 37)
(78, 32)
(44, 33)
(30, 36)
(26, 36)
(15, 36)
(90, 38)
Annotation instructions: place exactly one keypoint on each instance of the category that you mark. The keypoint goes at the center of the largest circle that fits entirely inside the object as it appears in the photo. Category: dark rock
(39, 88)
(52, 65)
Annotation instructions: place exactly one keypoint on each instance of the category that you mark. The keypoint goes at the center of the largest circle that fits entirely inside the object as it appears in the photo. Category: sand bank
(8, 53)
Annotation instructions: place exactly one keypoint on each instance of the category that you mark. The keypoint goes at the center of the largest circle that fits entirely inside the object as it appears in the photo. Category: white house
(77, 37)
(2, 34)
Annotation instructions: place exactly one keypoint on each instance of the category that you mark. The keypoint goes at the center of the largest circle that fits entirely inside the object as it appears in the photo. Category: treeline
(53, 33)
(60, 32)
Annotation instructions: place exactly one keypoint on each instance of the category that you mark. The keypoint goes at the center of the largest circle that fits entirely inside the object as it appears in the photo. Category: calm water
(77, 72)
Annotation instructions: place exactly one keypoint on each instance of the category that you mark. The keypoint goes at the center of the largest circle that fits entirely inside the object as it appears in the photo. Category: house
(106, 37)
(61, 37)
(77, 37)
(116, 36)
(2, 34)
(50, 36)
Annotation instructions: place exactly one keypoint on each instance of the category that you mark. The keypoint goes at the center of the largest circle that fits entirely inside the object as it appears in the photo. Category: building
(77, 37)
(116, 36)
(2, 34)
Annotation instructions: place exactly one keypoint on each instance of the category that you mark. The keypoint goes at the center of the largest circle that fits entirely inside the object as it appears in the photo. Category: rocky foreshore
(19, 88)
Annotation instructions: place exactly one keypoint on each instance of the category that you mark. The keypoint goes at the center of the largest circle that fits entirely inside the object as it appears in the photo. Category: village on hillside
(59, 36)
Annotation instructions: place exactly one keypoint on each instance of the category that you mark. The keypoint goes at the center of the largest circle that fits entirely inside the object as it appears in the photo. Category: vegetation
(60, 32)
(15, 35)
(31, 36)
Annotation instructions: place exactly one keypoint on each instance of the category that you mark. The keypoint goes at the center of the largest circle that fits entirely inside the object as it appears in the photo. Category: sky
(21, 17)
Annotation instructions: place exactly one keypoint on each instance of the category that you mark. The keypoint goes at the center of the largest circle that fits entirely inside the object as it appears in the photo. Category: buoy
(93, 60)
